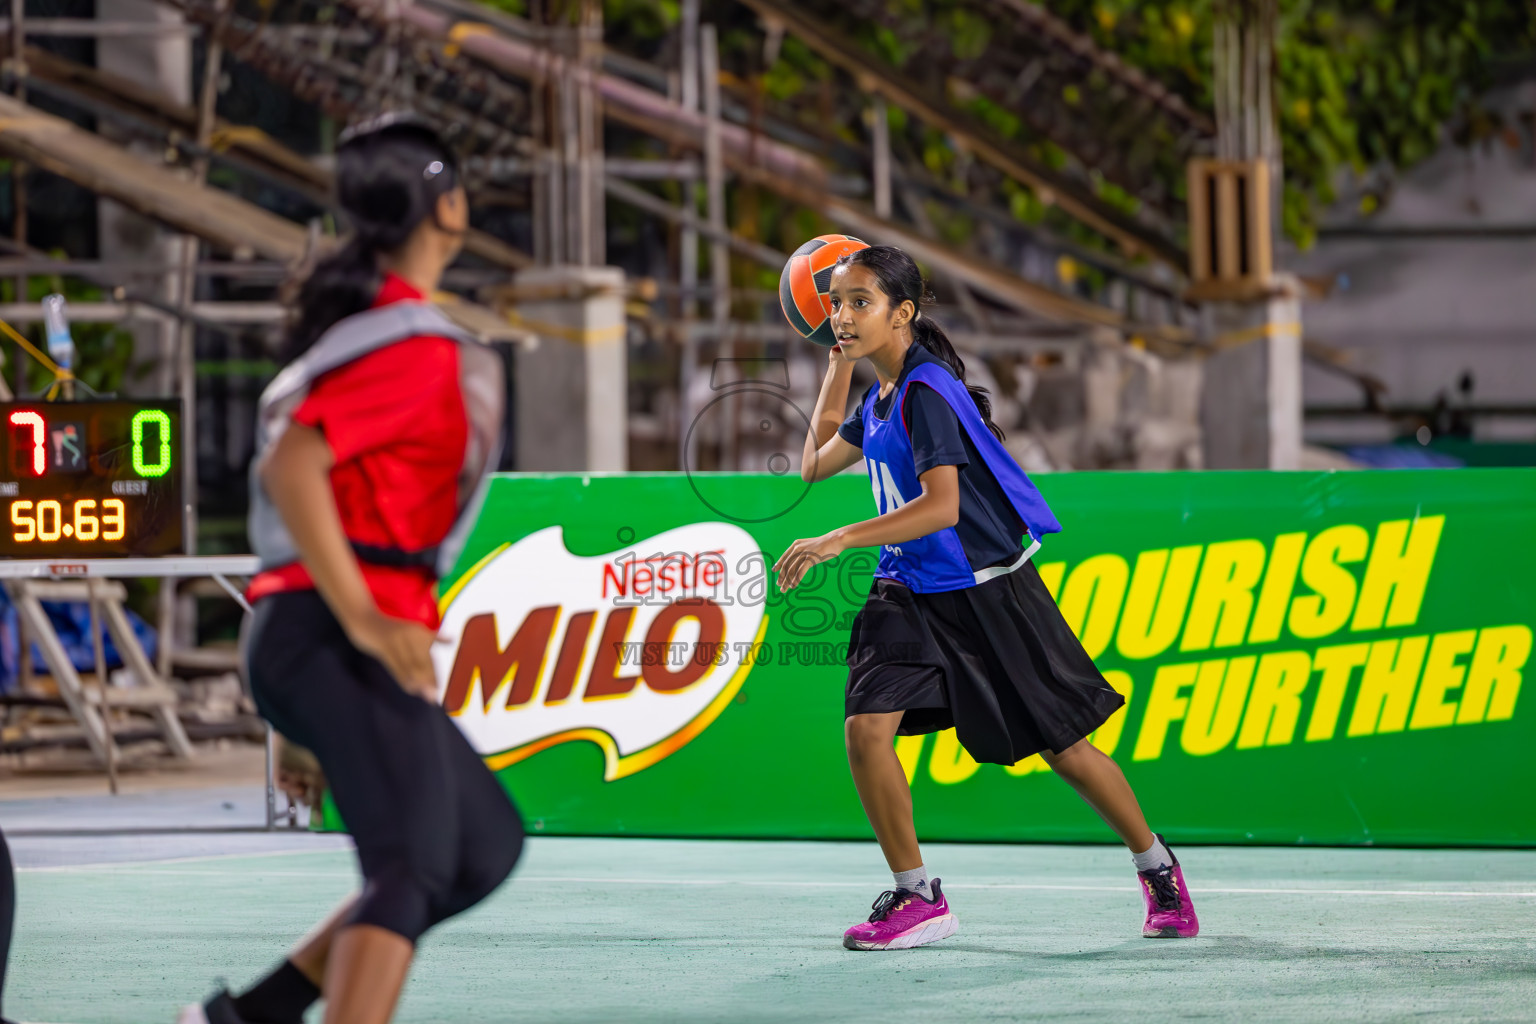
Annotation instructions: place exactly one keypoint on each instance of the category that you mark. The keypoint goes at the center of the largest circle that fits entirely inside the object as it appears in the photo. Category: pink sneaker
(1170, 913)
(903, 920)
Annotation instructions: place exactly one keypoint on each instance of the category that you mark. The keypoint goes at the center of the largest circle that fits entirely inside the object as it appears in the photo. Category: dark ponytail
(901, 281)
(389, 175)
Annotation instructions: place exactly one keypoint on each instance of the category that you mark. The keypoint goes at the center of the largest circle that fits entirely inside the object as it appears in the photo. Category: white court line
(198, 859)
(1040, 887)
(1225, 890)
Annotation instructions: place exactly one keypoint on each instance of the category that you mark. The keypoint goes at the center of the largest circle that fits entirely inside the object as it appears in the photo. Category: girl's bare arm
(297, 476)
(826, 454)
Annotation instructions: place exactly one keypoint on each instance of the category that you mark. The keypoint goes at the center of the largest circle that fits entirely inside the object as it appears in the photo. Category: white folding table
(96, 581)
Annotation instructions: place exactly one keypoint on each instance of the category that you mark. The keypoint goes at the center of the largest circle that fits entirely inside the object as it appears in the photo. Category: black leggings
(435, 831)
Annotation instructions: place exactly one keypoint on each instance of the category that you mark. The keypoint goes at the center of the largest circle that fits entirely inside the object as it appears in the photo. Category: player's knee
(398, 898)
(484, 871)
(1070, 762)
(865, 735)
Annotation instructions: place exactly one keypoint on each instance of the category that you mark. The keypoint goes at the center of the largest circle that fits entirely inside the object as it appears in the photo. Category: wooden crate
(1231, 249)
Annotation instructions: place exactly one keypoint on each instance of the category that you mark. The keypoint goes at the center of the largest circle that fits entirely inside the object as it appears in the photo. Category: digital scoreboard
(91, 479)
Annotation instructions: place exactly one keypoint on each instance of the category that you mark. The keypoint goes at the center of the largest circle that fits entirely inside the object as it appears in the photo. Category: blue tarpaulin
(72, 622)
(1402, 456)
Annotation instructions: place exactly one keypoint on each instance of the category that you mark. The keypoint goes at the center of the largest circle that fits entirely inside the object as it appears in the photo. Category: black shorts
(996, 662)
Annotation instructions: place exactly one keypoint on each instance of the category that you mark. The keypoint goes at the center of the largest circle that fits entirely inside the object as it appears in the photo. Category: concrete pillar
(570, 399)
(1250, 409)
(162, 63)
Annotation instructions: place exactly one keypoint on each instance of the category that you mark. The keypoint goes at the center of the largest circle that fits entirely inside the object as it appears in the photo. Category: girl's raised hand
(803, 555)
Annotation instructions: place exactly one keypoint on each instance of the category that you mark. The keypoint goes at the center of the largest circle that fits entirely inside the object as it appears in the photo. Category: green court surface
(632, 930)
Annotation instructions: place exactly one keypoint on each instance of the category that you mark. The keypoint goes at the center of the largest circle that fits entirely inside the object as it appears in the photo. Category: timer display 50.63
(92, 479)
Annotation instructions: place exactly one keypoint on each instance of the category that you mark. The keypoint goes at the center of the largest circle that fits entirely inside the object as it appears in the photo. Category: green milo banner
(1307, 657)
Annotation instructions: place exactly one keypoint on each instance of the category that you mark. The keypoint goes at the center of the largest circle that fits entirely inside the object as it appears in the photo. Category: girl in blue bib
(958, 630)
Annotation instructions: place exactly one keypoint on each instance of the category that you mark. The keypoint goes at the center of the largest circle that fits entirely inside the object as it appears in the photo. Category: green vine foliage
(639, 19)
(1363, 84)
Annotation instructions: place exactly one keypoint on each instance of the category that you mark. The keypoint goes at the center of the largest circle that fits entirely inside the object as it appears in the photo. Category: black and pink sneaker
(1170, 912)
(903, 920)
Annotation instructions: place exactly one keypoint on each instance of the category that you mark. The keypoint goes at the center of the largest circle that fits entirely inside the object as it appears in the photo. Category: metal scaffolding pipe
(714, 174)
(981, 342)
(91, 28)
(526, 60)
(253, 272)
(640, 199)
(880, 155)
(115, 312)
(503, 168)
(1007, 156)
(90, 161)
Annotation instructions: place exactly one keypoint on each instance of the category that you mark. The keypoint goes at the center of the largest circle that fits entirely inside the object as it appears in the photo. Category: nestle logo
(673, 575)
(69, 570)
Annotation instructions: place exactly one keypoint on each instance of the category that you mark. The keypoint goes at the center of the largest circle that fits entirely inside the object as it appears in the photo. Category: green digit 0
(162, 465)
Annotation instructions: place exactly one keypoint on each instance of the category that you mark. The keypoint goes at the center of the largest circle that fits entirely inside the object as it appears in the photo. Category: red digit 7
(39, 445)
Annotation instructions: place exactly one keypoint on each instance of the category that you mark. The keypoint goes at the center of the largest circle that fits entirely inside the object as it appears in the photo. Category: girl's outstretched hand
(803, 554)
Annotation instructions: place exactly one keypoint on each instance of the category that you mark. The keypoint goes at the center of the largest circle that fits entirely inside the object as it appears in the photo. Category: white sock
(1154, 856)
(915, 880)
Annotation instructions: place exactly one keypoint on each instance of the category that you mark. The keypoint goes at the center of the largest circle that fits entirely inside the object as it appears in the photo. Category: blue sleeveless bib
(937, 562)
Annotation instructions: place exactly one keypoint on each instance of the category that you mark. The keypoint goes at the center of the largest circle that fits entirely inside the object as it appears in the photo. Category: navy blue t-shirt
(990, 529)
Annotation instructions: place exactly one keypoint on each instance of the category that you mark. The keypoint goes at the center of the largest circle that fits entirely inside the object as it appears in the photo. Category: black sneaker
(218, 1010)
